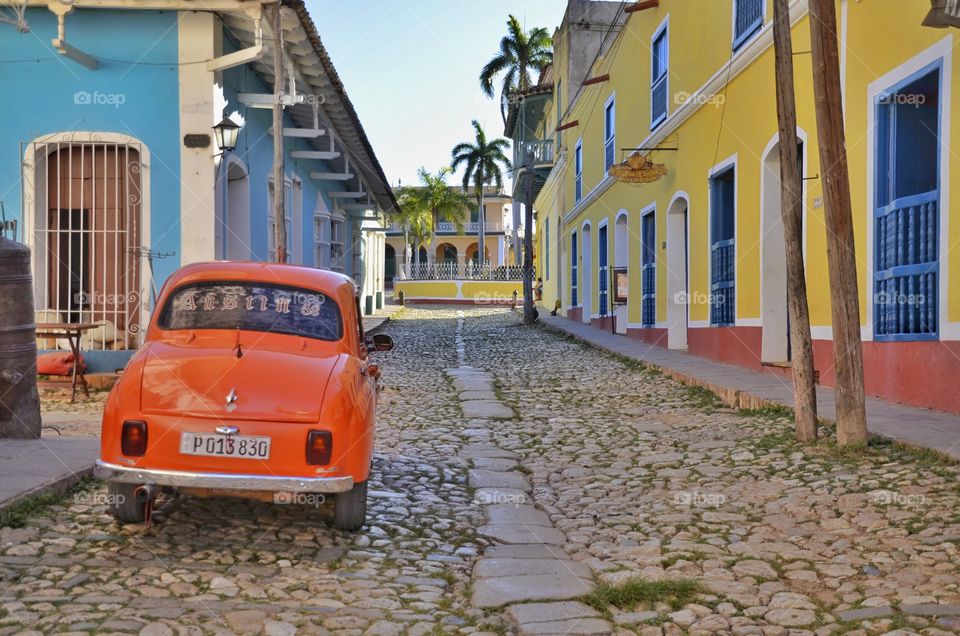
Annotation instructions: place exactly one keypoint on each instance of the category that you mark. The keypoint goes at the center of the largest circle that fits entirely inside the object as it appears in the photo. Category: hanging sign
(943, 14)
(621, 285)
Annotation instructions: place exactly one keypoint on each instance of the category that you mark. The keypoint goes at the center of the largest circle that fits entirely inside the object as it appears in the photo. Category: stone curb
(58, 486)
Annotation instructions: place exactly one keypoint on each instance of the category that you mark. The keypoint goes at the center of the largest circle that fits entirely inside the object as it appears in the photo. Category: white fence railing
(469, 270)
(449, 228)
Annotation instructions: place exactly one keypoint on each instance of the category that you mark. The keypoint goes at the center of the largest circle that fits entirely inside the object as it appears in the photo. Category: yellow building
(450, 246)
(446, 267)
(699, 252)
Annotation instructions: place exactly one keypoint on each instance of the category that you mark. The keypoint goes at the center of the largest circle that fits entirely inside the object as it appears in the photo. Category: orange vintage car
(254, 381)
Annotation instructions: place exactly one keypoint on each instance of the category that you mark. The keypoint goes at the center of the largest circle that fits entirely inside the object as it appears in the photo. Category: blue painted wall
(255, 148)
(135, 91)
(137, 87)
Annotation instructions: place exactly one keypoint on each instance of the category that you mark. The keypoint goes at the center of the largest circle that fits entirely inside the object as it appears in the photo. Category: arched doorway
(446, 253)
(586, 269)
(234, 225)
(85, 245)
(422, 255)
(472, 253)
(678, 296)
(389, 265)
(774, 317)
(621, 247)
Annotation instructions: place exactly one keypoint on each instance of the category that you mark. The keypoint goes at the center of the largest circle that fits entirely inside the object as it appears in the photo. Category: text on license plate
(213, 444)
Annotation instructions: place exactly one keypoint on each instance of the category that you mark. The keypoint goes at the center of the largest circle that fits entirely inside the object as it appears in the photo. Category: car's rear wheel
(125, 505)
(350, 508)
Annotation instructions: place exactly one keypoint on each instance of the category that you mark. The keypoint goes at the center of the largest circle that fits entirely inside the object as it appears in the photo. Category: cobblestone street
(658, 511)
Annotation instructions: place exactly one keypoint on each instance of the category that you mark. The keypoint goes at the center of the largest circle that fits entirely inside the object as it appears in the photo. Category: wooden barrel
(19, 401)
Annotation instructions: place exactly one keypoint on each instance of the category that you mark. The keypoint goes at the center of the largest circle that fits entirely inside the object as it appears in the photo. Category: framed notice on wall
(620, 285)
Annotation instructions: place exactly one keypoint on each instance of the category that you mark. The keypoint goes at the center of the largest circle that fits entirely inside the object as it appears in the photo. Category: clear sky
(411, 69)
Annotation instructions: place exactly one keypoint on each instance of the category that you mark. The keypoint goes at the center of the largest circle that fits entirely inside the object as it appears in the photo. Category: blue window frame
(907, 212)
(609, 133)
(578, 171)
(747, 20)
(648, 262)
(574, 259)
(660, 53)
(722, 248)
(602, 272)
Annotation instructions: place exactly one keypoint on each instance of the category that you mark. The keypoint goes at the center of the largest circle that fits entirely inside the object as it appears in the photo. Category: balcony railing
(450, 270)
(542, 151)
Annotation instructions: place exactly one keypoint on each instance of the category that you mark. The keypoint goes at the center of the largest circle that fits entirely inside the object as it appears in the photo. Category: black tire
(124, 504)
(350, 508)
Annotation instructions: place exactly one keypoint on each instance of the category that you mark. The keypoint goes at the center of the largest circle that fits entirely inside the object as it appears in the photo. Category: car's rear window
(253, 307)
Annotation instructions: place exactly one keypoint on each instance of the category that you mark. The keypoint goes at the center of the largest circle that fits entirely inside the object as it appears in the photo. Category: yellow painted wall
(479, 292)
(739, 122)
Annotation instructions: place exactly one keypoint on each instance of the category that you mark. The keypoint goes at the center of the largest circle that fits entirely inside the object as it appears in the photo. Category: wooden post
(804, 388)
(528, 317)
(279, 189)
(841, 257)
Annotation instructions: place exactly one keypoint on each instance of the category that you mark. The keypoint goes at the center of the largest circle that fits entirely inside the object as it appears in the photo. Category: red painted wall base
(650, 335)
(915, 373)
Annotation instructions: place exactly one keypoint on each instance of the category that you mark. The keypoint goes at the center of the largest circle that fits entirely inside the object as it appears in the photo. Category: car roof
(278, 273)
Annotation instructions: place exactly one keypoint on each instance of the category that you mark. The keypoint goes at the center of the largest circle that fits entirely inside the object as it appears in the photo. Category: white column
(197, 190)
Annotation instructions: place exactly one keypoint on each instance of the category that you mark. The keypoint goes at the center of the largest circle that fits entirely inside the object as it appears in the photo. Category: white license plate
(216, 445)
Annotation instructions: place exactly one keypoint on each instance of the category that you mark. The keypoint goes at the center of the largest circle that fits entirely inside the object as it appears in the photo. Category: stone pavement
(31, 467)
(744, 388)
(623, 485)
(528, 562)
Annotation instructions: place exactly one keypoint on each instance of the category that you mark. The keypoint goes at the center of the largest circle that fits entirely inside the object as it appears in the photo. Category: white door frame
(678, 265)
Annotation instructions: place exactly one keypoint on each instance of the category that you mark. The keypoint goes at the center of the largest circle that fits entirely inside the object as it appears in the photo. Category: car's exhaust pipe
(145, 493)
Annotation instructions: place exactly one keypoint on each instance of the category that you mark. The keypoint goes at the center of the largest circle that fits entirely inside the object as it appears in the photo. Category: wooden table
(72, 331)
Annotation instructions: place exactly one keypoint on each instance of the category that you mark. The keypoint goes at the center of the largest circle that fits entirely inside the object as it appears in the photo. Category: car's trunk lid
(212, 382)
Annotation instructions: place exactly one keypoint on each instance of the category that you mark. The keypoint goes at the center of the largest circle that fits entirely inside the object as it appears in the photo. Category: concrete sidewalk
(382, 316)
(30, 467)
(744, 388)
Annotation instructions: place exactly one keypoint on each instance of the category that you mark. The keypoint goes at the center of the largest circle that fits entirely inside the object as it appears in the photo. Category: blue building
(110, 171)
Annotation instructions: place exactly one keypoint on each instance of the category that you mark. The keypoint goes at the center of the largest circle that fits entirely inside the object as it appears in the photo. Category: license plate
(216, 445)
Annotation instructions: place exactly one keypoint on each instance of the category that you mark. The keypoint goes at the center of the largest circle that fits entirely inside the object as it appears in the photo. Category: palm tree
(437, 201)
(415, 223)
(520, 53)
(482, 159)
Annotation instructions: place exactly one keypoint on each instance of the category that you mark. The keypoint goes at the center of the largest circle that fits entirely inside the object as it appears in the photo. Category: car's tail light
(319, 447)
(133, 439)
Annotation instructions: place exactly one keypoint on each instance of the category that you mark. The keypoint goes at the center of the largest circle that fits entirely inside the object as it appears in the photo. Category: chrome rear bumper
(225, 481)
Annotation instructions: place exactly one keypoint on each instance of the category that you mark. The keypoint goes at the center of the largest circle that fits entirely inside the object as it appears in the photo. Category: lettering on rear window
(253, 307)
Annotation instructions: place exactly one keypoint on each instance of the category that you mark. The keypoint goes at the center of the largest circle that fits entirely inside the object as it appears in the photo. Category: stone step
(516, 514)
(494, 567)
(489, 409)
(519, 533)
(480, 478)
(504, 590)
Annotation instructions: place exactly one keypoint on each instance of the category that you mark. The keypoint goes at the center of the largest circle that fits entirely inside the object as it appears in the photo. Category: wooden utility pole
(279, 188)
(801, 347)
(528, 317)
(841, 257)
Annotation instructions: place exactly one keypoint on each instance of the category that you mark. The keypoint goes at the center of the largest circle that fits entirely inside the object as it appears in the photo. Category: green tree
(521, 54)
(437, 201)
(482, 160)
(415, 222)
